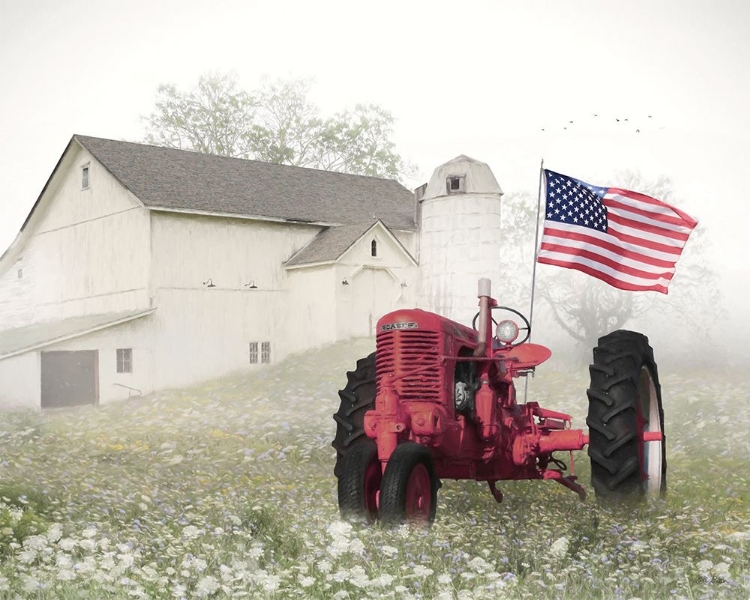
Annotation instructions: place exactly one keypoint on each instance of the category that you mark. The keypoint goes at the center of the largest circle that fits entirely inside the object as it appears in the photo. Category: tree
(276, 123)
(586, 308)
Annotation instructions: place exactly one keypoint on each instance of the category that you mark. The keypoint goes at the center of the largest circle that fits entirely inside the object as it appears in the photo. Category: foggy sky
(480, 78)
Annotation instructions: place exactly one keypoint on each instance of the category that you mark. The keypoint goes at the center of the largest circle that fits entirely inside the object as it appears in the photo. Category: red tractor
(438, 400)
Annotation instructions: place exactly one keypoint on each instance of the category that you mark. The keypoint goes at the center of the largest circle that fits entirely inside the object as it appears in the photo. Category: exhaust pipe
(484, 294)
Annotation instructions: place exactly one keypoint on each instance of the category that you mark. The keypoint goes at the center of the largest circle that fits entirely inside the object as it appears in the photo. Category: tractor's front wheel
(626, 420)
(359, 482)
(409, 488)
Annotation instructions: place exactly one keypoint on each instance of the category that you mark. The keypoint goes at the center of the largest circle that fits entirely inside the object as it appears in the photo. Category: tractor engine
(440, 385)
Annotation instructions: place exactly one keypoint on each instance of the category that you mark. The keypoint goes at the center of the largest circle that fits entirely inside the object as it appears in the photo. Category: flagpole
(536, 243)
(533, 269)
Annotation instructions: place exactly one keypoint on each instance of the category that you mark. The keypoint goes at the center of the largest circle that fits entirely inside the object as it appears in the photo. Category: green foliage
(276, 123)
(18, 521)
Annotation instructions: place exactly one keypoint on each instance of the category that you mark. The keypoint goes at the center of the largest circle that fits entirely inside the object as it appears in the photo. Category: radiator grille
(403, 351)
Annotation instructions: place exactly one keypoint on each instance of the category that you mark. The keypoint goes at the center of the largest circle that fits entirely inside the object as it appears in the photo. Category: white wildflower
(722, 570)
(126, 560)
(356, 546)
(65, 575)
(89, 532)
(389, 551)
(358, 577)
(271, 583)
(340, 529)
(559, 547)
(27, 557)
(88, 545)
(54, 532)
(4, 584)
(445, 579)
(383, 580)
(324, 566)
(67, 544)
(35, 542)
(340, 595)
(15, 516)
(479, 565)
(306, 582)
(30, 584)
(190, 532)
(422, 571)
(63, 561)
(206, 586)
(705, 566)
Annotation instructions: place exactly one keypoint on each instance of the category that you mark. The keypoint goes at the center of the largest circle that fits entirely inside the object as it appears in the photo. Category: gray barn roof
(181, 180)
(328, 245)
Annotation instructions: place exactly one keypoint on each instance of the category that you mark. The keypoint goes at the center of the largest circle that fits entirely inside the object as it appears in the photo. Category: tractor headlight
(507, 331)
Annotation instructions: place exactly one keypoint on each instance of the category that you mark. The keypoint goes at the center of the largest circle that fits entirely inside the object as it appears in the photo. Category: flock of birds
(620, 122)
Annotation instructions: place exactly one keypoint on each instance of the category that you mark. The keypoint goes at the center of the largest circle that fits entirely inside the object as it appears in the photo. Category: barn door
(70, 378)
(372, 298)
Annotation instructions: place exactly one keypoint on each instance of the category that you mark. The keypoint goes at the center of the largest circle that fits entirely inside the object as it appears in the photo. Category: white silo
(459, 237)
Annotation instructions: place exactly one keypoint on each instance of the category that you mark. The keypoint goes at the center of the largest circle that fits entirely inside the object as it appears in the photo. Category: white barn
(142, 268)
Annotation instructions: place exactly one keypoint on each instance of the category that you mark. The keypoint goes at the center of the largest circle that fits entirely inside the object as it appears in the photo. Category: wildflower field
(226, 491)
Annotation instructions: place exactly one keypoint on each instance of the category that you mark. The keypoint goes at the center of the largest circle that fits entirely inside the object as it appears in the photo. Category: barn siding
(20, 381)
(84, 251)
(204, 332)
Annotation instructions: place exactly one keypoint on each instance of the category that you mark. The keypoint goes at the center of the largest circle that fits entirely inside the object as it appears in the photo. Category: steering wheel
(515, 312)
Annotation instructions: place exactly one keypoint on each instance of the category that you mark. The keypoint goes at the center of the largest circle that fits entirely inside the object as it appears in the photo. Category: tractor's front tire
(626, 420)
(356, 399)
(408, 492)
(359, 482)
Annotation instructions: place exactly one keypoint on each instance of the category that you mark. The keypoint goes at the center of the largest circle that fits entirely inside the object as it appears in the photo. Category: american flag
(629, 240)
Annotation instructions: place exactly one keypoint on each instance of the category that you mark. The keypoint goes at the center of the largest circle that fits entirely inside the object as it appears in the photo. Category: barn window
(265, 352)
(84, 178)
(124, 360)
(20, 273)
(253, 353)
(455, 184)
(374, 248)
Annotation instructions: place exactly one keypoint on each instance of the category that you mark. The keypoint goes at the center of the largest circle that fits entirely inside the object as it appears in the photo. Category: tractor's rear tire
(624, 407)
(356, 399)
(408, 492)
(359, 482)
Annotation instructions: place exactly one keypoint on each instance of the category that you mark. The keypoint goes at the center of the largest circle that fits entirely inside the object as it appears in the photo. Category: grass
(226, 490)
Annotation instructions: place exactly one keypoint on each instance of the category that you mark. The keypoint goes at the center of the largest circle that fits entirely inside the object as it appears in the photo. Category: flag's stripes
(618, 282)
(648, 203)
(644, 237)
(666, 222)
(647, 232)
(614, 259)
(609, 242)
